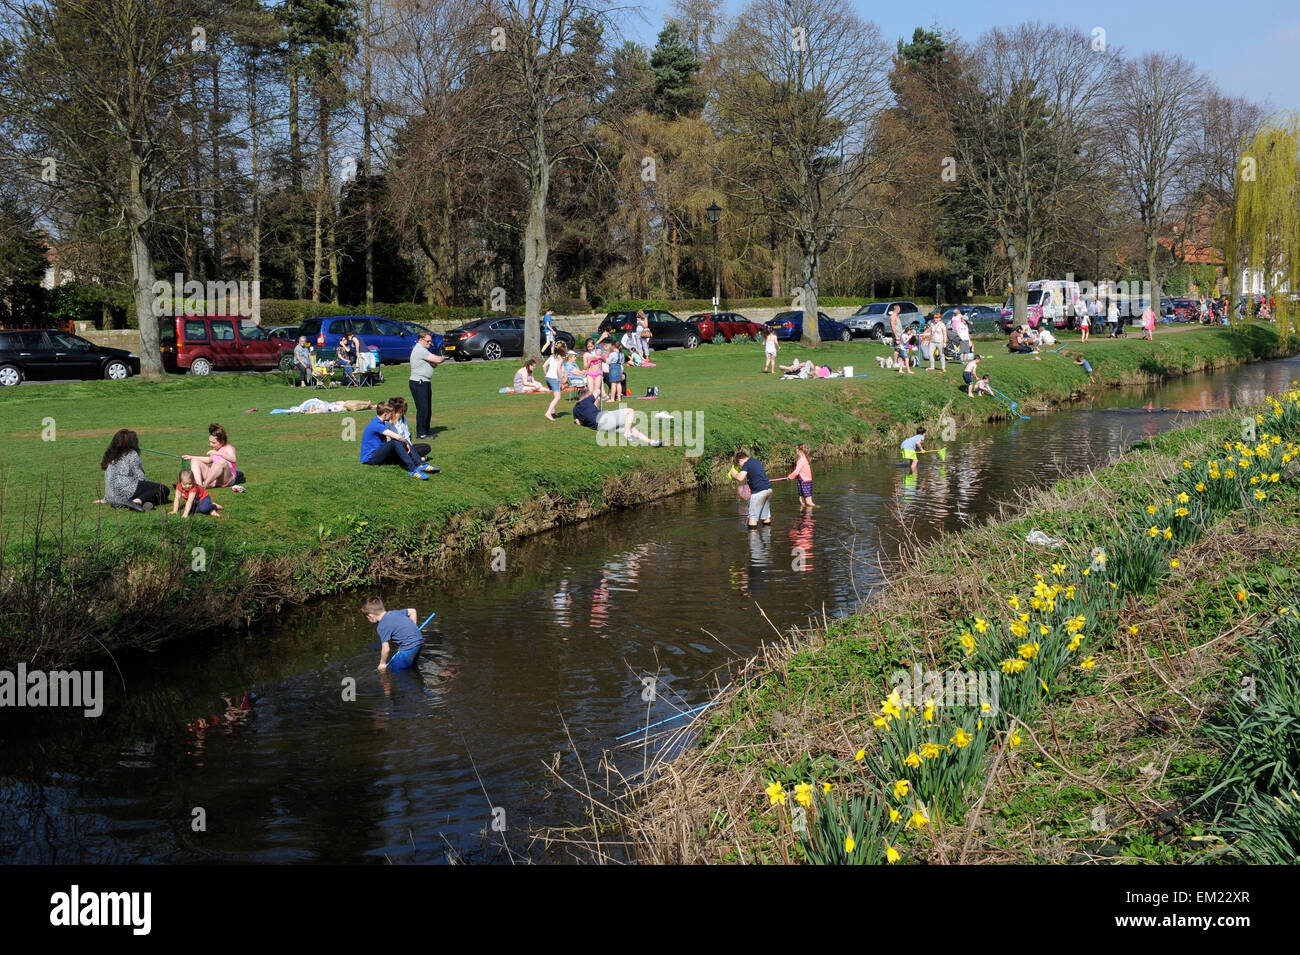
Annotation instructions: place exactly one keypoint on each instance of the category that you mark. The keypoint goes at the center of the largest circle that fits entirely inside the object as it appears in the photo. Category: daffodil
(1182, 497)
(981, 625)
(968, 642)
(1018, 629)
(1028, 650)
(928, 715)
(1058, 569)
(1074, 643)
(1151, 508)
(1200, 487)
(1260, 495)
(1174, 563)
(1043, 630)
(1168, 533)
(931, 750)
(849, 844)
(1013, 602)
(826, 788)
(1181, 512)
(912, 760)
(1014, 739)
(776, 793)
(1153, 531)
(1089, 663)
(917, 819)
(901, 789)
(890, 707)
(1187, 464)
(961, 738)
(860, 755)
(894, 814)
(803, 794)
(1024, 618)
(891, 855)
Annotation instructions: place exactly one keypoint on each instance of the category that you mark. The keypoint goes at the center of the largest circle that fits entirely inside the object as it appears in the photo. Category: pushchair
(368, 371)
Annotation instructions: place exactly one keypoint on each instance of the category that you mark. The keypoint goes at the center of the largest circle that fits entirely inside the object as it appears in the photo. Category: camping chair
(368, 368)
(322, 374)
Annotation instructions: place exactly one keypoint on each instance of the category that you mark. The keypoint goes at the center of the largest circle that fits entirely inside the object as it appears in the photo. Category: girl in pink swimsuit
(592, 361)
(217, 468)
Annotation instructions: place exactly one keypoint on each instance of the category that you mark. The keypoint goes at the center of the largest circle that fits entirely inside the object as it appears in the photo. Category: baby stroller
(368, 370)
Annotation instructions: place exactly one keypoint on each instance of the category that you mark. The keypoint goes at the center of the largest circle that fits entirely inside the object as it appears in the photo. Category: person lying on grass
(196, 497)
(588, 415)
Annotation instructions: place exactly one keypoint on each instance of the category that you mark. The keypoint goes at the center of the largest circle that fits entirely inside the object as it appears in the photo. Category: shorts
(404, 659)
(553, 384)
(202, 507)
(614, 420)
(909, 454)
(967, 377)
(805, 487)
(760, 506)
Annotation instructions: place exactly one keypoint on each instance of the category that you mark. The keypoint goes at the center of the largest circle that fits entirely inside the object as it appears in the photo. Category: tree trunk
(365, 165)
(295, 140)
(322, 183)
(216, 171)
(138, 216)
(536, 248)
(255, 266)
(808, 297)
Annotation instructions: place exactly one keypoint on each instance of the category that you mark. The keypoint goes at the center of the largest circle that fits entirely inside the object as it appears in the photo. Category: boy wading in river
(401, 638)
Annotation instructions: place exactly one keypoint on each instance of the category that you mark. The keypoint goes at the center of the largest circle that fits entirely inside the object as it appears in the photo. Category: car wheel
(877, 333)
(492, 351)
(460, 357)
(286, 362)
(200, 366)
(116, 371)
(692, 341)
(10, 375)
(846, 335)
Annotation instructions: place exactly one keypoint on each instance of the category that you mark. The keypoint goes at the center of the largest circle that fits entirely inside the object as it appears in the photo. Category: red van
(200, 343)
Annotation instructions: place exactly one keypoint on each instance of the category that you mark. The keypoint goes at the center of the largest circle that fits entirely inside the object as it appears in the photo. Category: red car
(727, 326)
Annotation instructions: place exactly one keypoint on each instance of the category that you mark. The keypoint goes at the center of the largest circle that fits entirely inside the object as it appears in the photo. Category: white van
(1054, 299)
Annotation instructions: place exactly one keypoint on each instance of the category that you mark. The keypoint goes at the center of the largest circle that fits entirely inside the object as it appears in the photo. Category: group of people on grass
(347, 355)
(125, 483)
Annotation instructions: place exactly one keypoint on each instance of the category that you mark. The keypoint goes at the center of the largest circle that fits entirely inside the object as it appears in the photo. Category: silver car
(872, 320)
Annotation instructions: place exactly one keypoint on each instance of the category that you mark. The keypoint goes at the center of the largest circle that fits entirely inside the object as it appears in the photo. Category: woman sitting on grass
(525, 383)
(124, 481)
(217, 467)
(399, 424)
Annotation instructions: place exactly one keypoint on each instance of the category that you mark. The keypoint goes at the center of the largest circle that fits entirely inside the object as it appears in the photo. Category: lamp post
(714, 212)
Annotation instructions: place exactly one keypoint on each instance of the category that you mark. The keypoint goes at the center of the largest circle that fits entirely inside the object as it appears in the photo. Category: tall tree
(97, 89)
(802, 86)
(1154, 100)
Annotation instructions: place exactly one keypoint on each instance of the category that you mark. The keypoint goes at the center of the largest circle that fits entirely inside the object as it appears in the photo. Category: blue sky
(1250, 48)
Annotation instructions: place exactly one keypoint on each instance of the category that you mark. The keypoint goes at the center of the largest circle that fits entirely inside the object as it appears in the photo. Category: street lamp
(713, 212)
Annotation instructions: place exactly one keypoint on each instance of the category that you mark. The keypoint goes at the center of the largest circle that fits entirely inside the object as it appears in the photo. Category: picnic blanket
(312, 406)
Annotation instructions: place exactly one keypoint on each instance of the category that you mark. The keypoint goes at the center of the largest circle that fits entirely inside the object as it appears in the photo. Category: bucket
(848, 371)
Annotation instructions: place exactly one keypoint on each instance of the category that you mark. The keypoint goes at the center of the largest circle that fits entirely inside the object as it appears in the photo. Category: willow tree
(1266, 225)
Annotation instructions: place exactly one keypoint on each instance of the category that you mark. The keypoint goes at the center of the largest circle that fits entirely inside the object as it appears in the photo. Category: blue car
(789, 327)
(419, 329)
(394, 340)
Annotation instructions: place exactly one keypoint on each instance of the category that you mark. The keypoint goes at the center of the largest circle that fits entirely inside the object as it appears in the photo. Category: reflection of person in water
(909, 487)
(600, 603)
(801, 541)
(561, 600)
(760, 557)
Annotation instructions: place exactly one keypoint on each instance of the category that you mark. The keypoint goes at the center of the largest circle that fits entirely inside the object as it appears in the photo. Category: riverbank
(81, 579)
(1126, 666)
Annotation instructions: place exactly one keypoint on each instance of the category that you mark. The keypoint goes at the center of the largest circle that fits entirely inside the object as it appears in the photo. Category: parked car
(872, 319)
(494, 338)
(200, 344)
(392, 340)
(1180, 309)
(726, 326)
(417, 329)
(44, 354)
(290, 332)
(666, 329)
(982, 319)
(789, 327)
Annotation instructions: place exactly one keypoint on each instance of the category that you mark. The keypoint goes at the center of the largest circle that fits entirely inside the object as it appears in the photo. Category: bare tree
(801, 87)
(97, 89)
(1020, 105)
(1153, 104)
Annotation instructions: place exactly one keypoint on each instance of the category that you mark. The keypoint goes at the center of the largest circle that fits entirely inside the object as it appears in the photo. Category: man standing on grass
(422, 363)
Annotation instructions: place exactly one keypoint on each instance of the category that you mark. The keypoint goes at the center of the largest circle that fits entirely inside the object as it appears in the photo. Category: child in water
(911, 446)
(802, 475)
(197, 499)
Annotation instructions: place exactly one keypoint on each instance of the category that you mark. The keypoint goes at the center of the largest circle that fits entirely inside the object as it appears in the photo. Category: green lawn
(323, 521)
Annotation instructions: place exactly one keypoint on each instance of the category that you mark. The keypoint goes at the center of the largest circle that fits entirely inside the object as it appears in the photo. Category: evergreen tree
(675, 92)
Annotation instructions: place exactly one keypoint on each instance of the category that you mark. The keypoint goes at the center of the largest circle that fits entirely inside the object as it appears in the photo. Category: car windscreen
(875, 308)
(310, 328)
(1035, 298)
(253, 332)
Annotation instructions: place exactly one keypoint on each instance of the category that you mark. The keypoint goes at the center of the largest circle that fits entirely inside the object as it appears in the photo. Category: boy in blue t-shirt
(400, 636)
(1080, 360)
(380, 444)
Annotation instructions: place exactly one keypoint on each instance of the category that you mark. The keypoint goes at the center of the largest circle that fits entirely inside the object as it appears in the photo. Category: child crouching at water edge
(196, 497)
(802, 475)
(401, 639)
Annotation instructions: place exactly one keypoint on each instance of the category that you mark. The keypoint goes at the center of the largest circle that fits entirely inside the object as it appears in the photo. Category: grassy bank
(1147, 698)
(80, 579)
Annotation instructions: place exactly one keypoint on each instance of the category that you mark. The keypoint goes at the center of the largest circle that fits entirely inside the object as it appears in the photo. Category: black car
(493, 338)
(666, 329)
(42, 355)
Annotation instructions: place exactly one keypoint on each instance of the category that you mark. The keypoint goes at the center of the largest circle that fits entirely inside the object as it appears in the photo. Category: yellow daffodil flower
(1089, 663)
(901, 789)
(849, 844)
(912, 760)
(891, 855)
(803, 794)
(776, 793)
(961, 738)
